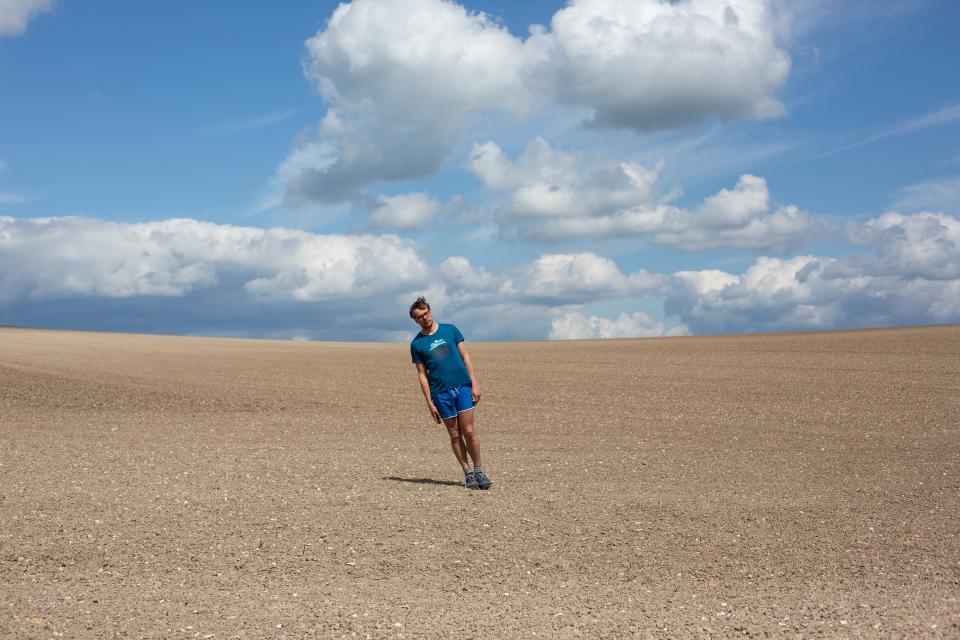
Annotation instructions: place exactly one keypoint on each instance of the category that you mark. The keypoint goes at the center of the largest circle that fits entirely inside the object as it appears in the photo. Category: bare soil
(794, 485)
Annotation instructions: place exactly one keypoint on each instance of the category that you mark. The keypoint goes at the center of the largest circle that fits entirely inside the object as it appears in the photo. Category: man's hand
(476, 393)
(435, 413)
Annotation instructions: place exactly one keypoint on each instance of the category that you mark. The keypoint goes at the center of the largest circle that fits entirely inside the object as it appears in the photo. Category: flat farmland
(781, 486)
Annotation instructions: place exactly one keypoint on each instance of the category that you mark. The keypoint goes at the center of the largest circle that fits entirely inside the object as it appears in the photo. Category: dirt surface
(796, 485)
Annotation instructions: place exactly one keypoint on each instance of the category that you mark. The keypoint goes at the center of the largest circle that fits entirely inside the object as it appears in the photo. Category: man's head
(420, 312)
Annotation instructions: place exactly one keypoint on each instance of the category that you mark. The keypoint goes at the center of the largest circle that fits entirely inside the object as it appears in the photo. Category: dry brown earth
(801, 485)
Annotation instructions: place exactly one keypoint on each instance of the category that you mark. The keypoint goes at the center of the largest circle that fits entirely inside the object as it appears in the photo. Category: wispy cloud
(941, 194)
(945, 115)
(253, 122)
(11, 198)
(7, 197)
(835, 29)
(15, 14)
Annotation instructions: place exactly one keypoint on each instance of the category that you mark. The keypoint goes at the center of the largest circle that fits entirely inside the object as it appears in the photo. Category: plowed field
(792, 485)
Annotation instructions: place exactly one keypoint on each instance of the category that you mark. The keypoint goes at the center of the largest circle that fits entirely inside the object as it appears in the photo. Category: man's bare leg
(456, 440)
(469, 436)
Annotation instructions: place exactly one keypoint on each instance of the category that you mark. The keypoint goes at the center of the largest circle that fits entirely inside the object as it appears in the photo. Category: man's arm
(425, 388)
(462, 347)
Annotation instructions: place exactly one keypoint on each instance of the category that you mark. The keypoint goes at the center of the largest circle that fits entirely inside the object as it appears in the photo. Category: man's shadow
(447, 483)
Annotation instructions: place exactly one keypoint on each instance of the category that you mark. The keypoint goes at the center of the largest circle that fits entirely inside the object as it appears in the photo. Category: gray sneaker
(482, 480)
(470, 480)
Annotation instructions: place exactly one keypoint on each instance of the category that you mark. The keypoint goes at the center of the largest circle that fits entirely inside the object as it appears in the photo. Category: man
(450, 387)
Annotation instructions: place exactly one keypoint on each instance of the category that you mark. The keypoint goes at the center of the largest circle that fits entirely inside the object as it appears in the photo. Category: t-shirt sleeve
(415, 354)
(457, 336)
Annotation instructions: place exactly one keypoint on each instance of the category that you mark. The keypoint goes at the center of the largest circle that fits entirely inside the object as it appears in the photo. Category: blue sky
(624, 169)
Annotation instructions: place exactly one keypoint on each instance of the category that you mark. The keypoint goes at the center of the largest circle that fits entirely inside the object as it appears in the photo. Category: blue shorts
(453, 401)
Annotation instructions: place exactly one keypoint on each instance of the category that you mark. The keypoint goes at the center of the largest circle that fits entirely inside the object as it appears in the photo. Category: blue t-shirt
(441, 358)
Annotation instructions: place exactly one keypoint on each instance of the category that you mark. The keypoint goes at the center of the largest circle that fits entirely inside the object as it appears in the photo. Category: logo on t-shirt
(439, 349)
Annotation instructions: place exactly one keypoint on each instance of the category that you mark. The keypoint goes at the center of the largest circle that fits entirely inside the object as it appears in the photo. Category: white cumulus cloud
(553, 196)
(523, 301)
(551, 280)
(460, 274)
(912, 277)
(743, 218)
(576, 326)
(648, 64)
(404, 80)
(405, 212)
(557, 279)
(925, 245)
(82, 257)
(547, 183)
(308, 156)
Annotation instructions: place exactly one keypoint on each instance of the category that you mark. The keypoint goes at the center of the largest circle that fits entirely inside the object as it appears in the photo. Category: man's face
(423, 317)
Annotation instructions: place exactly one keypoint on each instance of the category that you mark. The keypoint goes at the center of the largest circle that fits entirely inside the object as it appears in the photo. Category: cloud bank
(80, 257)
(189, 276)
(912, 277)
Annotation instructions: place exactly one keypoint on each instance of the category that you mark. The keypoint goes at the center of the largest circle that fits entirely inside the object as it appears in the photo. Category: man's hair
(419, 303)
